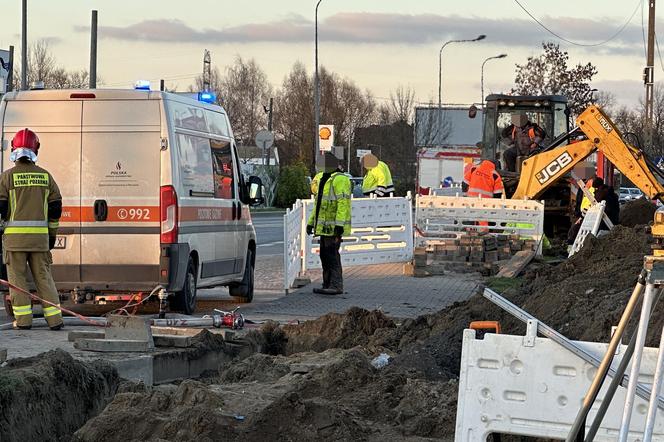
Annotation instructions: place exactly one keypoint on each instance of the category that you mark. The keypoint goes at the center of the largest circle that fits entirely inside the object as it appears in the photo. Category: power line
(622, 28)
(659, 54)
(176, 77)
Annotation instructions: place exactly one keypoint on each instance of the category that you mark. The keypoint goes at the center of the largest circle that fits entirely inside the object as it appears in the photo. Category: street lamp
(317, 90)
(440, 64)
(482, 77)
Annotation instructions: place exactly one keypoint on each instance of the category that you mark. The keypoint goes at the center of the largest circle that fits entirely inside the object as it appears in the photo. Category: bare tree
(549, 74)
(402, 103)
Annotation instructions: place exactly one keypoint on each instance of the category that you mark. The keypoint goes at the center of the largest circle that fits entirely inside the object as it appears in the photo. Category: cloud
(385, 28)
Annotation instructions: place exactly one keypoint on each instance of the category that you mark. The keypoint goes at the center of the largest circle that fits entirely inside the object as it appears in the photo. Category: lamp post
(440, 64)
(482, 76)
(316, 91)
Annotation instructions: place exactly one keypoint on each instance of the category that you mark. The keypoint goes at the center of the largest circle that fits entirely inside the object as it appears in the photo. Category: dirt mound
(48, 397)
(336, 330)
(637, 212)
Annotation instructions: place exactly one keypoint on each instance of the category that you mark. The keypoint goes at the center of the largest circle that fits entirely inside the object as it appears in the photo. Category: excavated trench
(315, 381)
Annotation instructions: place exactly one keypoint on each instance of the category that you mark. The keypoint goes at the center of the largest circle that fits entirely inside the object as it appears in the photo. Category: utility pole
(269, 127)
(649, 72)
(24, 47)
(207, 72)
(93, 51)
(316, 91)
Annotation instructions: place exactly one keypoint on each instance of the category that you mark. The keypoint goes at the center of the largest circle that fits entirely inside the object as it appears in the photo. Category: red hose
(43, 301)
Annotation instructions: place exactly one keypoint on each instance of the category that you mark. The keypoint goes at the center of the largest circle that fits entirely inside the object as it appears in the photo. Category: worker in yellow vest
(378, 179)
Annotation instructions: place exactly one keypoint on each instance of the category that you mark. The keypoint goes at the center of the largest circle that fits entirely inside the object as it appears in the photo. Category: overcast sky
(377, 43)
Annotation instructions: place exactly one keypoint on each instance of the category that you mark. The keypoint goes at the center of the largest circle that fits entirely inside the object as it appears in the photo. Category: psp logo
(555, 166)
(604, 123)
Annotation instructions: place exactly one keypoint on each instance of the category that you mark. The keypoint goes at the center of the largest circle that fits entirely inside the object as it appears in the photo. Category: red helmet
(25, 139)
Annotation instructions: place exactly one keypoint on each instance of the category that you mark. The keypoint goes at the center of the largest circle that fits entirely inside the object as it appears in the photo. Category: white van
(152, 192)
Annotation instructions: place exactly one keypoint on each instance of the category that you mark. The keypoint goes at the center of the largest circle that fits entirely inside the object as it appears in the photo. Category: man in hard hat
(523, 136)
(330, 220)
(378, 179)
(31, 205)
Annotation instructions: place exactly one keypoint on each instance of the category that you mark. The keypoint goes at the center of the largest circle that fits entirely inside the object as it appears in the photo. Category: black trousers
(510, 156)
(331, 262)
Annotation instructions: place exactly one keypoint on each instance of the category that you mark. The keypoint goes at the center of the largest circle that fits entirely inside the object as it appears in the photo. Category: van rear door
(120, 182)
(58, 125)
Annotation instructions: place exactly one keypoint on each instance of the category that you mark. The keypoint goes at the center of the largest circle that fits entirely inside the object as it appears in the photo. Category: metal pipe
(10, 76)
(636, 361)
(656, 387)
(93, 51)
(604, 366)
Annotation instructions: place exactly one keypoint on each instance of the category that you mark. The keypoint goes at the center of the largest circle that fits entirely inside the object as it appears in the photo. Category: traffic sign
(325, 137)
(264, 139)
(362, 152)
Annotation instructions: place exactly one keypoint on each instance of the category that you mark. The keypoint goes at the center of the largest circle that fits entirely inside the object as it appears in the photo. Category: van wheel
(185, 300)
(243, 292)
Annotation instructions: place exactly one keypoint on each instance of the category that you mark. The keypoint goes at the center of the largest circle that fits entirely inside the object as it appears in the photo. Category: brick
(172, 341)
(490, 256)
(75, 335)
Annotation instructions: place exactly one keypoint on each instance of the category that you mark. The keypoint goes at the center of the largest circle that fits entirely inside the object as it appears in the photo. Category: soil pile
(336, 330)
(637, 212)
(335, 395)
(48, 397)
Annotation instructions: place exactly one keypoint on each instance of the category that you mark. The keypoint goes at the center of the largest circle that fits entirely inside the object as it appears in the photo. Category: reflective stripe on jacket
(484, 181)
(334, 204)
(28, 189)
(378, 180)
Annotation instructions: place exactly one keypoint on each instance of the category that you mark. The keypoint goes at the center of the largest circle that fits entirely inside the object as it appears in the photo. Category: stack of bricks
(475, 251)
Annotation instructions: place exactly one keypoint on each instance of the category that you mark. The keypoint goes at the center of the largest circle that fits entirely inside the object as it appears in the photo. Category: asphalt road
(269, 233)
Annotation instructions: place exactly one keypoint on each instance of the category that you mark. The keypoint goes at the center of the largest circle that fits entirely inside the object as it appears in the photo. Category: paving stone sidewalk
(381, 287)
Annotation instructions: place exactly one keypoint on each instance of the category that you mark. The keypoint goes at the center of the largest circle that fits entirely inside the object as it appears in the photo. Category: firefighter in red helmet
(30, 205)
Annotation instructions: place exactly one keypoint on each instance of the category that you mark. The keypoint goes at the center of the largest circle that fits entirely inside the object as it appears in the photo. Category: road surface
(269, 233)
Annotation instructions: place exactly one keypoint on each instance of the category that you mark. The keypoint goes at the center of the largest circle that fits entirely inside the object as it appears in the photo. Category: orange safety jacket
(484, 181)
(531, 133)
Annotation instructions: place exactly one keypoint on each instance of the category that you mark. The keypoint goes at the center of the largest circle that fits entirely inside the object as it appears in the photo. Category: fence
(530, 386)
(382, 232)
(439, 217)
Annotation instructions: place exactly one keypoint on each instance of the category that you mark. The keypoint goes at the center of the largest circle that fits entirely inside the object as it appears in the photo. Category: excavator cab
(548, 111)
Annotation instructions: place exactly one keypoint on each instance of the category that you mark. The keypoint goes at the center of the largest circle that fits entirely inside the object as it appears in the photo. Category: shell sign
(325, 137)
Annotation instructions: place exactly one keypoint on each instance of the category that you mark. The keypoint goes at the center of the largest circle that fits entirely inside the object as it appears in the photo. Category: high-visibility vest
(334, 204)
(378, 180)
(484, 181)
(585, 202)
(531, 133)
(28, 189)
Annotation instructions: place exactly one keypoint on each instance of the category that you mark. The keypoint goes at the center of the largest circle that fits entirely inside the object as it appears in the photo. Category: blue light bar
(142, 85)
(207, 97)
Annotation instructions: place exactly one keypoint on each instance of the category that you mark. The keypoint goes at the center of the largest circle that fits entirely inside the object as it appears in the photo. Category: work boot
(21, 327)
(319, 290)
(330, 291)
(57, 327)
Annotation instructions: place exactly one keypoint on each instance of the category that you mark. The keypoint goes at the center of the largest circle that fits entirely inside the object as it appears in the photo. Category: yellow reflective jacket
(378, 180)
(334, 204)
(585, 202)
(28, 189)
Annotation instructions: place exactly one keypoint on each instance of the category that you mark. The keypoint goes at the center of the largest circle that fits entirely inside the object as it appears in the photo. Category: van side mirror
(255, 190)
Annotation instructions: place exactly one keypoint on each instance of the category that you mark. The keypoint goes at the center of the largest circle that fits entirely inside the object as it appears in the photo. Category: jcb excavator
(543, 169)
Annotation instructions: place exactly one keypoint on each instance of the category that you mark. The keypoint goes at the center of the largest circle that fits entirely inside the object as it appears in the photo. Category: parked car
(629, 194)
(152, 192)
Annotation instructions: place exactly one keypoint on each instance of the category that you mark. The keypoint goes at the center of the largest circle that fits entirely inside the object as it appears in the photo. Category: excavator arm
(542, 170)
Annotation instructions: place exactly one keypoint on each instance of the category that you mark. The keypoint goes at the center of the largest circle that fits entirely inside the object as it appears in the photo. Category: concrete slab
(159, 366)
(114, 345)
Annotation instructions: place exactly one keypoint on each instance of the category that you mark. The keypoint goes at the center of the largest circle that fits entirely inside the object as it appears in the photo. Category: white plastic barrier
(533, 387)
(293, 234)
(590, 226)
(382, 232)
(440, 217)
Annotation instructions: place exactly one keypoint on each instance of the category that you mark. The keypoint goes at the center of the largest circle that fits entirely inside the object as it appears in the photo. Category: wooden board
(516, 265)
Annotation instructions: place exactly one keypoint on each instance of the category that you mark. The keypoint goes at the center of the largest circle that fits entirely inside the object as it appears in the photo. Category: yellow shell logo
(325, 133)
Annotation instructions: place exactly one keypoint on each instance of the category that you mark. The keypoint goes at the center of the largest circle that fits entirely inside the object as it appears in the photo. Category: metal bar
(93, 50)
(636, 361)
(604, 366)
(568, 344)
(24, 45)
(656, 387)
